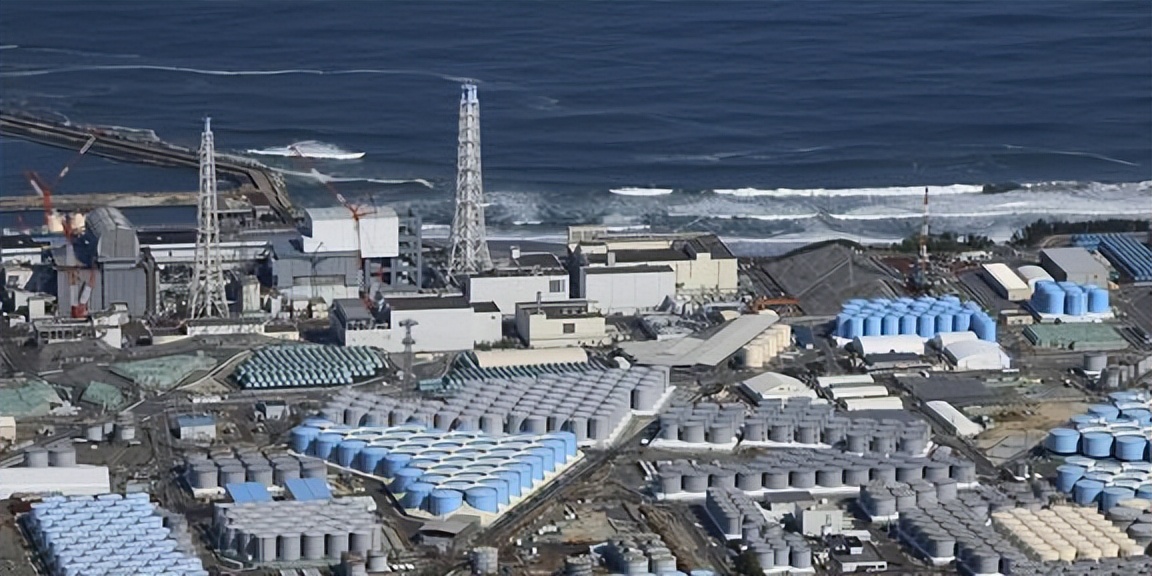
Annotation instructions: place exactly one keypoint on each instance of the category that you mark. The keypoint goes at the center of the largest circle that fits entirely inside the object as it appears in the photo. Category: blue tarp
(242, 492)
(308, 489)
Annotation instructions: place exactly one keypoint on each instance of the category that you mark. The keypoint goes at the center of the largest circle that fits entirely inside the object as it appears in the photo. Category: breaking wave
(213, 72)
(317, 176)
(629, 191)
(309, 149)
(889, 191)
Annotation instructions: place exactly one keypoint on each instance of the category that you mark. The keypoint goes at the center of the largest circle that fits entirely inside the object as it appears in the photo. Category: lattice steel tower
(469, 239)
(206, 293)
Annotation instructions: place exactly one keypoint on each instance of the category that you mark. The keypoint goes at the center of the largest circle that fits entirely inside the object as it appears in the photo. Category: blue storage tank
(316, 423)
(1096, 444)
(984, 327)
(441, 502)
(347, 450)
(394, 462)
(944, 323)
(406, 477)
(482, 498)
(973, 306)
(370, 458)
(843, 324)
(873, 326)
(858, 302)
(537, 464)
(1111, 496)
(559, 450)
(1063, 440)
(926, 326)
(524, 469)
(1067, 475)
(962, 321)
(1075, 302)
(1097, 299)
(501, 487)
(856, 327)
(1144, 491)
(908, 324)
(417, 495)
(570, 443)
(1087, 491)
(302, 437)
(548, 460)
(511, 478)
(1141, 416)
(891, 325)
(326, 443)
(1105, 411)
(1129, 448)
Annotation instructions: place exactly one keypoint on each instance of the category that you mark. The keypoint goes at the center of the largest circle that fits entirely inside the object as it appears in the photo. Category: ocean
(769, 123)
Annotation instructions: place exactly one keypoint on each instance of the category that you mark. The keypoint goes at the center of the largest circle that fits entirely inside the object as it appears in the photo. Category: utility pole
(409, 355)
(469, 243)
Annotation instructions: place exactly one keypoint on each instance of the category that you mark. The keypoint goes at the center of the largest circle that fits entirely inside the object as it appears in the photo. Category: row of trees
(1041, 229)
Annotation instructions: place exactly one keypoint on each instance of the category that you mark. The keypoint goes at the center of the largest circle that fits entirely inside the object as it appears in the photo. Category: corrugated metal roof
(243, 492)
(305, 489)
(694, 351)
(79, 480)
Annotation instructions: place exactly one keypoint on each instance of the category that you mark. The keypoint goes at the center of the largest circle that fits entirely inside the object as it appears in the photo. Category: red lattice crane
(78, 306)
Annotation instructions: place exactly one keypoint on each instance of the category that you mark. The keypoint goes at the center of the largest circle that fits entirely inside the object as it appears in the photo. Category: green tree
(747, 564)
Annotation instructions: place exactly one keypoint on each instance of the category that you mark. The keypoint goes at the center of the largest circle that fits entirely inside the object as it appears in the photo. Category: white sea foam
(309, 149)
(888, 191)
(9, 46)
(630, 191)
(214, 72)
(317, 176)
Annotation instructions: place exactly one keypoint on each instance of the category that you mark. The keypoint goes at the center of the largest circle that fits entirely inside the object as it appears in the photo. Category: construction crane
(764, 303)
(356, 211)
(78, 306)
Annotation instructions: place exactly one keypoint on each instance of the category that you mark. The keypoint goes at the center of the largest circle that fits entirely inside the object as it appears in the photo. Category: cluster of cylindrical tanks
(1069, 299)
(799, 468)
(769, 344)
(1064, 533)
(807, 422)
(1104, 483)
(288, 531)
(222, 466)
(641, 554)
(924, 317)
(884, 499)
(1124, 373)
(704, 422)
(592, 405)
(440, 471)
(309, 365)
(58, 456)
(737, 516)
(107, 535)
(1119, 429)
(954, 531)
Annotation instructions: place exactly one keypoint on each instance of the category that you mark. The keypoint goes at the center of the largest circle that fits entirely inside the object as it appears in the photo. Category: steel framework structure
(469, 253)
(206, 297)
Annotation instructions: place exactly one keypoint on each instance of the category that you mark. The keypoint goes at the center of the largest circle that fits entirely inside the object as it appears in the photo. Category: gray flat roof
(1074, 259)
(353, 309)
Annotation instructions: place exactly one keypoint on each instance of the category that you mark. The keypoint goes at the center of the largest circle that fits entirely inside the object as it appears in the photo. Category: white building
(196, 427)
(530, 277)
(374, 234)
(775, 385)
(68, 481)
(819, 520)
(1006, 283)
(560, 324)
(625, 290)
(7, 429)
(977, 355)
(846, 392)
(956, 422)
(896, 344)
(881, 403)
(442, 323)
(826, 382)
(702, 263)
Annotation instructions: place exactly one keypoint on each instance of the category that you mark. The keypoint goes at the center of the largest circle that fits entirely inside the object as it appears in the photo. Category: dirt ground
(14, 559)
(1022, 428)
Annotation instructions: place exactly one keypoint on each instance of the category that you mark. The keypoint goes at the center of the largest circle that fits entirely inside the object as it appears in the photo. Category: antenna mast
(206, 297)
(924, 235)
(409, 354)
(469, 253)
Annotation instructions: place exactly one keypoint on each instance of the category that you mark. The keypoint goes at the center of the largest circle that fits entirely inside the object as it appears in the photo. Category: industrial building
(773, 385)
(624, 290)
(41, 478)
(560, 324)
(438, 323)
(7, 429)
(1006, 283)
(529, 277)
(702, 263)
(1074, 264)
(952, 419)
(195, 427)
(970, 355)
(105, 267)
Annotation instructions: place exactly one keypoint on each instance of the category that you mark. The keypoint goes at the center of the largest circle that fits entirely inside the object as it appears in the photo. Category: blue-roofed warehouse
(305, 489)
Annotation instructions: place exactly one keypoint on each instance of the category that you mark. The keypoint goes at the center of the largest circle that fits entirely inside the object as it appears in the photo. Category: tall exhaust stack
(469, 253)
(206, 297)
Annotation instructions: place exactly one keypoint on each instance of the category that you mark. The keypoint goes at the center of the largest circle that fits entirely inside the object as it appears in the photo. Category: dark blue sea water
(769, 121)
